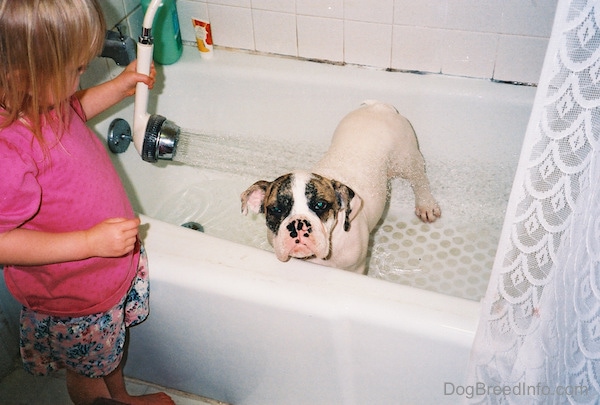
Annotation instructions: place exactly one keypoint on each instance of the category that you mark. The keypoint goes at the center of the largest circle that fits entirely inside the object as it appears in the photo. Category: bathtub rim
(250, 273)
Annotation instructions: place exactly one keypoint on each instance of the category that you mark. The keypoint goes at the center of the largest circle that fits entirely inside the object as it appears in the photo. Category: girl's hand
(129, 78)
(113, 237)
(98, 98)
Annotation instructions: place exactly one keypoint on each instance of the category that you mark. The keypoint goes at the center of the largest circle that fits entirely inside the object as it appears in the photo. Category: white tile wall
(467, 53)
(320, 38)
(275, 32)
(514, 56)
(417, 48)
(286, 6)
(503, 40)
(321, 8)
(367, 43)
(375, 11)
(231, 26)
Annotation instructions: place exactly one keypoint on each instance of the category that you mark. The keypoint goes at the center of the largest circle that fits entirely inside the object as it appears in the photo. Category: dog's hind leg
(408, 163)
(426, 207)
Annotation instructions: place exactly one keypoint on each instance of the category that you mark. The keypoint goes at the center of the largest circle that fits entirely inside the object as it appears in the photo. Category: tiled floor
(21, 388)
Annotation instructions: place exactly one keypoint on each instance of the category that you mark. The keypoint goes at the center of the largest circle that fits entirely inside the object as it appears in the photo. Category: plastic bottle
(165, 30)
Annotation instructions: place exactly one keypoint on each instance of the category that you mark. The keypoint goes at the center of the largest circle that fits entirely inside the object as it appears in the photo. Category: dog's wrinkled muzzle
(298, 238)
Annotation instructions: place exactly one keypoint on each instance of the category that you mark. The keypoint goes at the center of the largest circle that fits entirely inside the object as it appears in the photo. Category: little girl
(68, 234)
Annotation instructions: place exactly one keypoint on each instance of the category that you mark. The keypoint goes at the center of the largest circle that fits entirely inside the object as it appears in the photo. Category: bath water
(453, 255)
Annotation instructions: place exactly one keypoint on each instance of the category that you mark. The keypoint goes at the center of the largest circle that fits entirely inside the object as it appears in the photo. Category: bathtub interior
(248, 117)
(230, 322)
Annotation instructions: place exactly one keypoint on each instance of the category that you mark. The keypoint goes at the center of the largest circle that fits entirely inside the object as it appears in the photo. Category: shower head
(154, 137)
(160, 139)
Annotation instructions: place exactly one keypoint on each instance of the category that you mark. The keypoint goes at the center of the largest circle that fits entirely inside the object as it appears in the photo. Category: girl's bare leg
(115, 383)
(85, 390)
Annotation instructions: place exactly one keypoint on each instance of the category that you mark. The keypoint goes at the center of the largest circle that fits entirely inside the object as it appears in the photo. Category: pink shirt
(75, 189)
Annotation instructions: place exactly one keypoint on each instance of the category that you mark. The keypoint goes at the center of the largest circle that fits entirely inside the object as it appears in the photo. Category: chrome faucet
(119, 47)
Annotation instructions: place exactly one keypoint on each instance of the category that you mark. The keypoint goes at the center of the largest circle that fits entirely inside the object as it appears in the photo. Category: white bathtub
(232, 323)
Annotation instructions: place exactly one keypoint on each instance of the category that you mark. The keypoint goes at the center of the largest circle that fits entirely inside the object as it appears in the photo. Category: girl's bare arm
(103, 96)
(111, 238)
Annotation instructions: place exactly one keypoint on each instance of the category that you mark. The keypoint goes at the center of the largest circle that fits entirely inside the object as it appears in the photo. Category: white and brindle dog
(327, 216)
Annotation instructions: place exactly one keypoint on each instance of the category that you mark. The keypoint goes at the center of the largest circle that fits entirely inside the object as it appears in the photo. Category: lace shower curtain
(538, 339)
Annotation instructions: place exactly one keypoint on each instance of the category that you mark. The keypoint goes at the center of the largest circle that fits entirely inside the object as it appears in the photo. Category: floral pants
(90, 345)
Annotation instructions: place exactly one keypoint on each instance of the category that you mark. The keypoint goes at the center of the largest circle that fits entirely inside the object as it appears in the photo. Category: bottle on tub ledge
(203, 37)
(165, 30)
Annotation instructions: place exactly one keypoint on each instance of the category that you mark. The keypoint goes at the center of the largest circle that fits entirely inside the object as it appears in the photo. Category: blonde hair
(42, 43)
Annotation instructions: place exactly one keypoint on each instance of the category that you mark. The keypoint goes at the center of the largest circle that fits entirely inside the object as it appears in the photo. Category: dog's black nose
(298, 226)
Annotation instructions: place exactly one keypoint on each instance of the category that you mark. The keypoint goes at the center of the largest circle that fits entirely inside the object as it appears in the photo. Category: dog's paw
(428, 212)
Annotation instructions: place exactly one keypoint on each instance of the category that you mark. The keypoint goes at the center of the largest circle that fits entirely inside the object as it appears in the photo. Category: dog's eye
(274, 210)
(320, 206)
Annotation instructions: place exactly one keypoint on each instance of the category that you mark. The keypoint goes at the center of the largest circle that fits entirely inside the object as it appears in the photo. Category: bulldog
(326, 215)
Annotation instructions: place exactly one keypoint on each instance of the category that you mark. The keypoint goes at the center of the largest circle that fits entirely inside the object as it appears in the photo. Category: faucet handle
(119, 47)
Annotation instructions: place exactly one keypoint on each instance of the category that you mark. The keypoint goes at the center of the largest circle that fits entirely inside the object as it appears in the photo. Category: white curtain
(538, 339)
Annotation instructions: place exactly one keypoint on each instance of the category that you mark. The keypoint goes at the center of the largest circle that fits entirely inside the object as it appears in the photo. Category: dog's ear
(254, 197)
(348, 201)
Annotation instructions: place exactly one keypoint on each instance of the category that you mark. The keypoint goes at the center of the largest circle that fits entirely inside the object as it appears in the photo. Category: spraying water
(244, 155)
(452, 255)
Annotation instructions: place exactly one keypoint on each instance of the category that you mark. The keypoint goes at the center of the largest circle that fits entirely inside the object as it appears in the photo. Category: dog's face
(301, 211)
